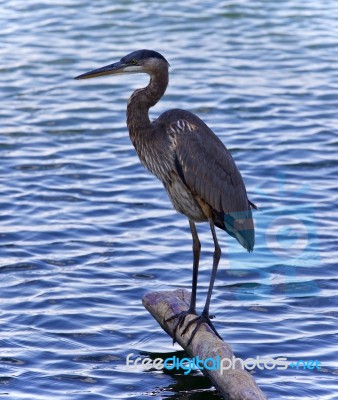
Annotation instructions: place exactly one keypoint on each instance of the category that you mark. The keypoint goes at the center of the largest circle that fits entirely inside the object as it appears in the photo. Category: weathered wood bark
(232, 384)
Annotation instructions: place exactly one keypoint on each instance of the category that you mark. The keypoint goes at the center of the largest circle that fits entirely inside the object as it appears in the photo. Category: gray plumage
(196, 169)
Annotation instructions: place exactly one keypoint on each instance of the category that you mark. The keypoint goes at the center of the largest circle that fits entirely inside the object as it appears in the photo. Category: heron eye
(134, 62)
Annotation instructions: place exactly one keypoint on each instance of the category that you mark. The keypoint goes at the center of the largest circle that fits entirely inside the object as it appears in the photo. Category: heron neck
(141, 101)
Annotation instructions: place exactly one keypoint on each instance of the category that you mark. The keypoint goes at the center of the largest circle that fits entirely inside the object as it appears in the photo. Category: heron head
(146, 61)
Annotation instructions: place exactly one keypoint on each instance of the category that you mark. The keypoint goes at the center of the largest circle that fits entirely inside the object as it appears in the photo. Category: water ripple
(85, 231)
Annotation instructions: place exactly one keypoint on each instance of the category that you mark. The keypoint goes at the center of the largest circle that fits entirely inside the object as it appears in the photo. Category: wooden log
(232, 384)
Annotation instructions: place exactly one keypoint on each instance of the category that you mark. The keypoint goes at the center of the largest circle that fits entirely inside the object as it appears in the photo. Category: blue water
(86, 231)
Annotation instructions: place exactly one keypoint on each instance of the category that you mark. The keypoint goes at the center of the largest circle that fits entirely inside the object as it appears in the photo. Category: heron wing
(209, 171)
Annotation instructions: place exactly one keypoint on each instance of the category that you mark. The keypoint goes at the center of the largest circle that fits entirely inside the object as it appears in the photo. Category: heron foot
(200, 319)
(181, 318)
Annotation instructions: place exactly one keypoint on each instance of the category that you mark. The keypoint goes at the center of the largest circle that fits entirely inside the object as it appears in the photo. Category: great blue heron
(197, 171)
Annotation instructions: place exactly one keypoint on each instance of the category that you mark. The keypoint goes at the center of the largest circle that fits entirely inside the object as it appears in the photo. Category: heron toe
(181, 318)
(200, 319)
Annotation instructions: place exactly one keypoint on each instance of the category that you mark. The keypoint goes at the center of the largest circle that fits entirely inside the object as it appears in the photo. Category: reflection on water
(86, 231)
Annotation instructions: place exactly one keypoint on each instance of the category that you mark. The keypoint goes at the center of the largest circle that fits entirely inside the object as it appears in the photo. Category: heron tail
(240, 226)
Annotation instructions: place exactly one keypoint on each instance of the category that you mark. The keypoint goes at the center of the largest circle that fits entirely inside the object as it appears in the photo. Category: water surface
(86, 231)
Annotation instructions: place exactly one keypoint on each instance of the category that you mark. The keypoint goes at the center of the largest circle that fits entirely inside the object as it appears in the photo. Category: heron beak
(116, 68)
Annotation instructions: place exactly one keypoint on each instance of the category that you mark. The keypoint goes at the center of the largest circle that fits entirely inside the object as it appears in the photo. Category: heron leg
(216, 258)
(196, 247)
(205, 317)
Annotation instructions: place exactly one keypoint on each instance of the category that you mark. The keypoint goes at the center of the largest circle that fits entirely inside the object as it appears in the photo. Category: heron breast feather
(183, 200)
